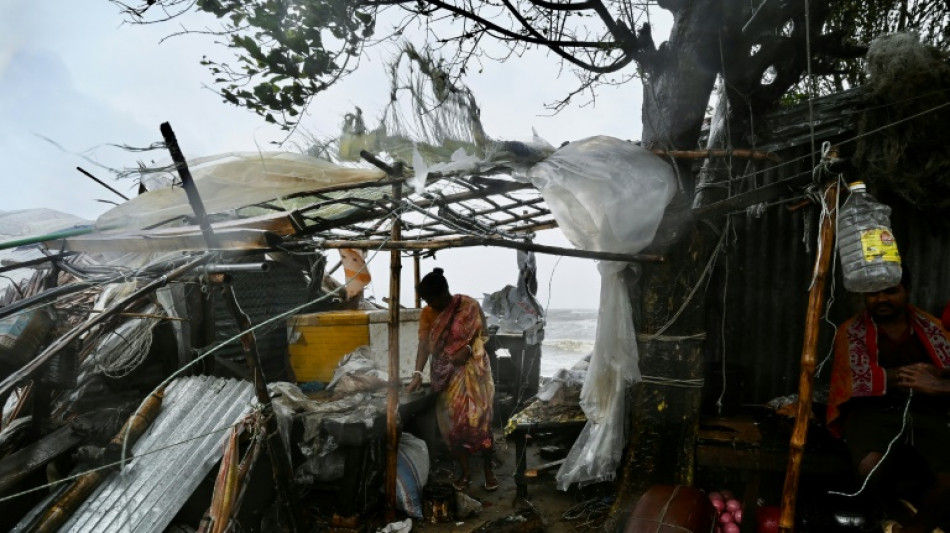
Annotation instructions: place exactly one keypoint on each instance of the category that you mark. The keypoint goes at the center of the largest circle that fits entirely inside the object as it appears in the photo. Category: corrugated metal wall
(758, 295)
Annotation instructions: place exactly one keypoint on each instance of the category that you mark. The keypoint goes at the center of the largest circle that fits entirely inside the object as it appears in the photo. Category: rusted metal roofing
(171, 459)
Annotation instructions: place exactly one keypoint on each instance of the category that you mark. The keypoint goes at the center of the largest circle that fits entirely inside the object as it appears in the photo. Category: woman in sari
(452, 331)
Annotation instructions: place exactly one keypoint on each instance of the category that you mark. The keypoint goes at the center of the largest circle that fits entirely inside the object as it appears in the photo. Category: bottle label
(879, 245)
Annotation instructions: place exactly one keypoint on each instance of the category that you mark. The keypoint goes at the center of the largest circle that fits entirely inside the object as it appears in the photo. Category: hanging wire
(890, 446)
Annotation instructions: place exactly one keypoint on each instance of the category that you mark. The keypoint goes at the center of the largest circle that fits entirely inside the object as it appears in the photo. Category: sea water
(568, 338)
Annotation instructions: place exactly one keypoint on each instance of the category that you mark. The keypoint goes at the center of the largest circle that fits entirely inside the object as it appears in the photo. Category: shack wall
(758, 294)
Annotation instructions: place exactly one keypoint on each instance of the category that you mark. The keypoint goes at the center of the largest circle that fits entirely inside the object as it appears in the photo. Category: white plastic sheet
(233, 180)
(607, 195)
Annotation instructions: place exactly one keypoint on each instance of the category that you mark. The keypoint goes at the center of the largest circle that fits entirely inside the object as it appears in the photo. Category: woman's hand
(415, 384)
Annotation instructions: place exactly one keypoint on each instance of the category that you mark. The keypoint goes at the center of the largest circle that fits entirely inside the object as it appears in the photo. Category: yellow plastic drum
(318, 341)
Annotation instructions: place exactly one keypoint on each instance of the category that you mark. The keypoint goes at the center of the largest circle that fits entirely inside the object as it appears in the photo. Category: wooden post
(392, 396)
(816, 302)
(416, 278)
(283, 471)
(189, 185)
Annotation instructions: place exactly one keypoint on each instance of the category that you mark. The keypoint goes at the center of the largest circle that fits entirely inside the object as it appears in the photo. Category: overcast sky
(74, 78)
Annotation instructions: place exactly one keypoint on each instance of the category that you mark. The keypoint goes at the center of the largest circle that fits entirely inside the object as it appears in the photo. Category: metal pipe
(235, 267)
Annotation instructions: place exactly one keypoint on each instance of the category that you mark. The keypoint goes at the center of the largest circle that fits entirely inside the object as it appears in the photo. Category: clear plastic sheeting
(230, 181)
(607, 195)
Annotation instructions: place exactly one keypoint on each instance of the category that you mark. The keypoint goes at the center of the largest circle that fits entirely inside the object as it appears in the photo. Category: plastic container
(318, 341)
(869, 258)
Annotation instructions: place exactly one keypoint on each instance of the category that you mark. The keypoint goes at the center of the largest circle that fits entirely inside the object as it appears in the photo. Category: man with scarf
(890, 383)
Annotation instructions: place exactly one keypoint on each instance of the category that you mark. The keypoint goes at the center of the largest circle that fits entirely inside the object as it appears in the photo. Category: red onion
(719, 505)
(730, 528)
(737, 516)
(725, 518)
(733, 505)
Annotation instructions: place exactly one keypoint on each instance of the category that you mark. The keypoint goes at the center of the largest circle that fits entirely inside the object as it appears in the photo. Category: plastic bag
(607, 195)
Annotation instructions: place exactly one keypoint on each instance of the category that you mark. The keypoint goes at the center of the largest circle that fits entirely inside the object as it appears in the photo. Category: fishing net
(432, 119)
(903, 131)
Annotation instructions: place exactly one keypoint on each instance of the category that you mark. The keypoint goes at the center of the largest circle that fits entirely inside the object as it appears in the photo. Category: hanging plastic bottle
(869, 258)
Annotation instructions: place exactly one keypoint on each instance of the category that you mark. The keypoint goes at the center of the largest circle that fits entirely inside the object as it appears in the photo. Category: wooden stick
(392, 394)
(59, 512)
(100, 182)
(416, 267)
(130, 315)
(461, 242)
(283, 471)
(189, 184)
(816, 302)
(743, 153)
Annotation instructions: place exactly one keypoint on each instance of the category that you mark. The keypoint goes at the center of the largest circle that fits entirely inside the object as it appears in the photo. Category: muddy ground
(560, 511)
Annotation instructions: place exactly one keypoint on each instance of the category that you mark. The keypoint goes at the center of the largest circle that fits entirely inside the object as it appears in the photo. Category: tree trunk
(664, 409)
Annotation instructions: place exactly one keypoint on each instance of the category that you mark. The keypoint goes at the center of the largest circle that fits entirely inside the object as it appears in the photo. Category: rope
(696, 383)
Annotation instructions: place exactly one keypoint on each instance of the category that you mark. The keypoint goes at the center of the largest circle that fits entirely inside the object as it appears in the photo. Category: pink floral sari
(465, 391)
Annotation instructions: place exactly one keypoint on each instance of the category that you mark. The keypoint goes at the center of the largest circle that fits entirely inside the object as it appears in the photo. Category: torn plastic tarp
(229, 181)
(607, 195)
(515, 309)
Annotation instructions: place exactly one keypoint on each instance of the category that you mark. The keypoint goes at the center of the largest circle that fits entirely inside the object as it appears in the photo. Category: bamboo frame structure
(816, 302)
(461, 242)
(392, 393)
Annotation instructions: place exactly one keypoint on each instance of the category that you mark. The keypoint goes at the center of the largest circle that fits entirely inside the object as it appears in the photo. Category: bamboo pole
(461, 242)
(416, 268)
(60, 511)
(27, 370)
(743, 153)
(816, 301)
(283, 472)
(392, 394)
(188, 184)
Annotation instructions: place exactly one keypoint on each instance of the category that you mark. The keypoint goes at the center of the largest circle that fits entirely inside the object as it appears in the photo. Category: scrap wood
(59, 512)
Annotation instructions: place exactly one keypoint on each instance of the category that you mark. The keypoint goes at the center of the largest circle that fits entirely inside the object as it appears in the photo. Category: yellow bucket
(318, 341)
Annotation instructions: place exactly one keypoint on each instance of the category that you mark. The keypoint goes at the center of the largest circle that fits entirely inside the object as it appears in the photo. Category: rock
(466, 506)
(525, 521)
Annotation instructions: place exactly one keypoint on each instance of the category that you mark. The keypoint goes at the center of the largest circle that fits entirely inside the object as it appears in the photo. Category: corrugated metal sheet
(757, 299)
(171, 459)
(262, 296)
